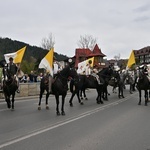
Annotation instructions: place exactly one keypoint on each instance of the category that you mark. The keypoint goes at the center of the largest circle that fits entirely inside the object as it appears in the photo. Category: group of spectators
(34, 77)
(30, 78)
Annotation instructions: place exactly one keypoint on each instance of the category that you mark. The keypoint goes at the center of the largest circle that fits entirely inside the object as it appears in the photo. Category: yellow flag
(92, 61)
(47, 61)
(17, 56)
(131, 60)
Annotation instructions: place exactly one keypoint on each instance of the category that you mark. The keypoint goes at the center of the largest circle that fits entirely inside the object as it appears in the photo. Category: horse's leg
(46, 102)
(119, 91)
(113, 89)
(105, 93)
(131, 88)
(13, 100)
(99, 97)
(81, 91)
(57, 105)
(146, 97)
(80, 101)
(139, 97)
(122, 94)
(62, 105)
(7, 99)
(72, 96)
(40, 97)
(84, 95)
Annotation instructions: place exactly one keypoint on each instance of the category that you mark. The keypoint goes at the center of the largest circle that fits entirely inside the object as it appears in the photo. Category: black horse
(118, 80)
(91, 82)
(84, 83)
(59, 87)
(130, 80)
(143, 83)
(9, 87)
(105, 75)
(75, 89)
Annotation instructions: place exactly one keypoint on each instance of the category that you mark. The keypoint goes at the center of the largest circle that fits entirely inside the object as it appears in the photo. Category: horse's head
(106, 72)
(73, 73)
(6, 73)
(68, 72)
(141, 75)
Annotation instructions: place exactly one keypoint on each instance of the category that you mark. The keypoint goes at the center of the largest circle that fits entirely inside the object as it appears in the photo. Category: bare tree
(117, 57)
(48, 43)
(87, 41)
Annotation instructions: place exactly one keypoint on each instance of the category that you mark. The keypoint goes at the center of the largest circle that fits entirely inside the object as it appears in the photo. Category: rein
(8, 81)
(65, 78)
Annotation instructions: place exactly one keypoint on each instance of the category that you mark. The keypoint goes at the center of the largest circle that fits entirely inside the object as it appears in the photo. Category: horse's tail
(71, 86)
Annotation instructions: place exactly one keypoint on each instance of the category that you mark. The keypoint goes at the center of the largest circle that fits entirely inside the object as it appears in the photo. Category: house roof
(143, 51)
(86, 53)
(97, 52)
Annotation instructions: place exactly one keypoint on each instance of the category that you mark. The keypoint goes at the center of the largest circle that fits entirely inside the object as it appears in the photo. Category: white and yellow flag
(82, 65)
(17, 56)
(47, 61)
(131, 60)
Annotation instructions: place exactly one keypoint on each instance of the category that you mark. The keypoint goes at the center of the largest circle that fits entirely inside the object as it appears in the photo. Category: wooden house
(82, 54)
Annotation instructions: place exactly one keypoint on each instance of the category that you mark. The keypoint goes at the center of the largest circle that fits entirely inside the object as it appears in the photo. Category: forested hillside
(33, 54)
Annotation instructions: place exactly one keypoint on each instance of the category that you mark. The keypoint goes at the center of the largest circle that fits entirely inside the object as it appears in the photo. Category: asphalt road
(118, 124)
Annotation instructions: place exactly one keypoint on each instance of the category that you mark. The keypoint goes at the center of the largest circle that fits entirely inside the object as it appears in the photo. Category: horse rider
(13, 69)
(92, 71)
(81, 70)
(146, 71)
(56, 69)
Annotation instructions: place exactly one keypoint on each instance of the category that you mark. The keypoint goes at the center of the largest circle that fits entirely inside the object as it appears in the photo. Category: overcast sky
(118, 25)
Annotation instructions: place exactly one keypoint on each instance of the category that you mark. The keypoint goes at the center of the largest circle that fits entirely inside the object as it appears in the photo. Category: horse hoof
(58, 113)
(39, 108)
(47, 107)
(81, 103)
(63, 113)
(101, 102)
(8, 105)
(98, 102)
(12, 109)
(86, 98)
(139, 103)
(146, 104)
(71, 105)
(105, 99)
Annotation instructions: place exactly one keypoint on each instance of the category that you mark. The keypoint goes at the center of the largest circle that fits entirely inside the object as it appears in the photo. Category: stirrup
(18, 91)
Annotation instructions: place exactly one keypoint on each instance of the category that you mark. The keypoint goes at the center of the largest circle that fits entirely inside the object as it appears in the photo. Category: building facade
(142, 56)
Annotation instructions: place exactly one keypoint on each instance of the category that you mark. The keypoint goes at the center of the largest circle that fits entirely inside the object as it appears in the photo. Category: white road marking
(58, 124)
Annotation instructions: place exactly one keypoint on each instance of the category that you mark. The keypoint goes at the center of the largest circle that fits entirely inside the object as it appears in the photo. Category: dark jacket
(12, 68)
